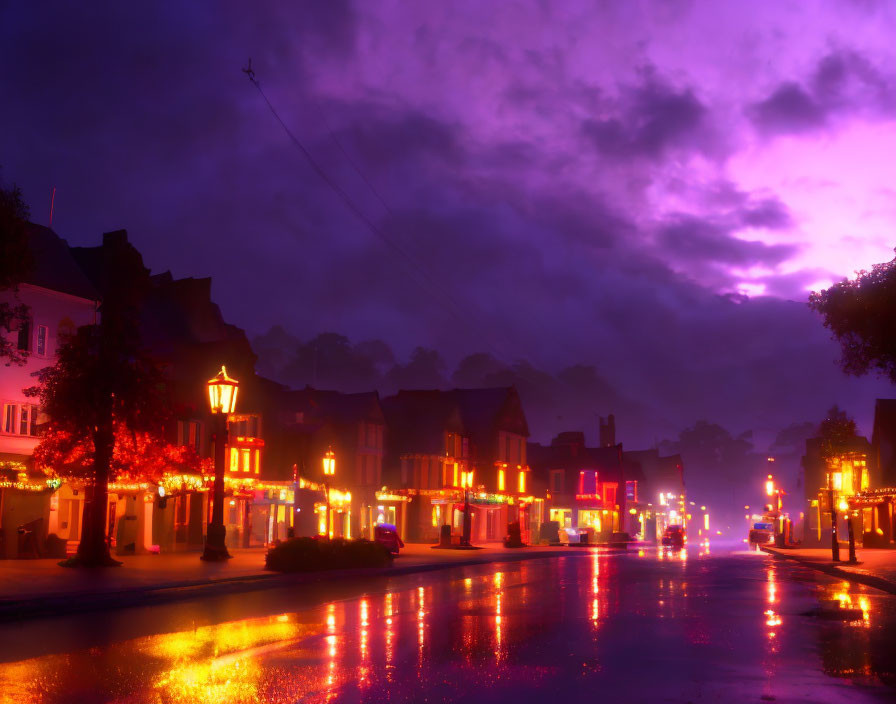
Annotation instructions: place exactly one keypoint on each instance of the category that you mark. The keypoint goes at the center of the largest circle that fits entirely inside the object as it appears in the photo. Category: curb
(12, 609)
(869, 580)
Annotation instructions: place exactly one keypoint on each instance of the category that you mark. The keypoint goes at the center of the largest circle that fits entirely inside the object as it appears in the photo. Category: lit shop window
(522, 482)
(501, 480)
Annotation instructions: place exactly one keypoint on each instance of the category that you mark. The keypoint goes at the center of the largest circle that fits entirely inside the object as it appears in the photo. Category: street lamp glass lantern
(329, 464)
(222, 392)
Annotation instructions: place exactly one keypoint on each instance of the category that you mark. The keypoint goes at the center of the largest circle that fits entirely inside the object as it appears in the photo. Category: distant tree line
(570, 399)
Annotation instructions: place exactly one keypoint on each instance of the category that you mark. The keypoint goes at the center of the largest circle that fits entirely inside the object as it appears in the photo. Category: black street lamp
(222, 392)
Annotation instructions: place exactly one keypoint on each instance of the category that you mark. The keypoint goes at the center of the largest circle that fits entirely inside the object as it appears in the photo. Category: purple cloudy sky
(596, 182)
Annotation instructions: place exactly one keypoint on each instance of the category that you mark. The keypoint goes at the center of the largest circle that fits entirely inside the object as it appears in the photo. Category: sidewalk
(35, 587)
(875, 568)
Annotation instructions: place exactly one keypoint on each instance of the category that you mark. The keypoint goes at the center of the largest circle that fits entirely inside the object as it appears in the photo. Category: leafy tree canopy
(861, 313)
(837, 431)
(425, 370)
(102, 391)
(792, 439)
(138, 456)
(95, 380)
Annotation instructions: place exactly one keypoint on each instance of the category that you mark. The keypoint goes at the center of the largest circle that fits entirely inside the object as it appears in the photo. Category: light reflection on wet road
(645, 626)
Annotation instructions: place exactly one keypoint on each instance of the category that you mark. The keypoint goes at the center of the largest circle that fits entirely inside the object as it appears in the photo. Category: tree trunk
(93, 550)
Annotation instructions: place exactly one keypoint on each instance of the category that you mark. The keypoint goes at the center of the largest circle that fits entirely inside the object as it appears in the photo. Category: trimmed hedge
(317, 554)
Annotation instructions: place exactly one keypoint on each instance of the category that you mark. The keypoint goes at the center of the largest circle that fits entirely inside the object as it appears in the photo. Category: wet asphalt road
(636, 627)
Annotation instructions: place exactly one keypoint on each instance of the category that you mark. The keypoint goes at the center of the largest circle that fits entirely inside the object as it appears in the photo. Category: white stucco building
(59, 299)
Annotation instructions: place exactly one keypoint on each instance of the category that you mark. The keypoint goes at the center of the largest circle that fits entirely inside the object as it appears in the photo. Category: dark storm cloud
(381, 135)
(843, 82)
(789, 109)
(521, 168)
(690, 238)
(652, 119)
(769, 213)
(846, 79)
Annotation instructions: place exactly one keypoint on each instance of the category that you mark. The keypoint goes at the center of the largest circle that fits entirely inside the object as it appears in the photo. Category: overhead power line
(414, 268)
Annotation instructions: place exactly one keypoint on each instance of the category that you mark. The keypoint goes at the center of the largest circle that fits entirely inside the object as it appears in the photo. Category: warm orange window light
(222, 392)
(257, 460)
(246, 458)
(329, 463)
(770, 486)
(522, 482)
(234, 459)
(500, 480)
(466, 479)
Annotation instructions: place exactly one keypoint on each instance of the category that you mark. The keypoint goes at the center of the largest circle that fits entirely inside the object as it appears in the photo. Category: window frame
(24, 336)
(10, 418)
(42, 340)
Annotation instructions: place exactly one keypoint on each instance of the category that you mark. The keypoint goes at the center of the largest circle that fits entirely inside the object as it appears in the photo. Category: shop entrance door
(492, 528)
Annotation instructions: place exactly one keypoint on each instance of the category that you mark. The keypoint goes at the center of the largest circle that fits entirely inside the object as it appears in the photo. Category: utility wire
(433, 288)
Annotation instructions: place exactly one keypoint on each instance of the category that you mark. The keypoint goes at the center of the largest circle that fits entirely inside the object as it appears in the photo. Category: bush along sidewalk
(317, 554)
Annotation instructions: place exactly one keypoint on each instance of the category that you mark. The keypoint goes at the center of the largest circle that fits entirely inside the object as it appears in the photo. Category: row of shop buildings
(306, 461)
(857, 479)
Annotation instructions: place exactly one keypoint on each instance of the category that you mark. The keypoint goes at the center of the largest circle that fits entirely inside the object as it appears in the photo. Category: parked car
(762, 533)
(386, 534)
(673, 536)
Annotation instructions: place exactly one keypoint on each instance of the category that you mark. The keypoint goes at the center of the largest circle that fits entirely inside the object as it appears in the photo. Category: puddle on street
(647, 625)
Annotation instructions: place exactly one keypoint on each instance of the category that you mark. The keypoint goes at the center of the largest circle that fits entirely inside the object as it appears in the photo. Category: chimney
(608, 431)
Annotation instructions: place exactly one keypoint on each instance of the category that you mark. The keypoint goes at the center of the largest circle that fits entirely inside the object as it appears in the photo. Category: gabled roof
(115, 258)
(657, 472)
(485, 411)
(573, 455)
(333, 405)
(54, 266)
(418, 420)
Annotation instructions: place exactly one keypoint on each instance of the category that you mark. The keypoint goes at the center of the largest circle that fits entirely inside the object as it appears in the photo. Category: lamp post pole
(835, 546)
(465, 537)
(215, 547)
(327, 491)
(329, 471)
(847, 514)
(222, 392)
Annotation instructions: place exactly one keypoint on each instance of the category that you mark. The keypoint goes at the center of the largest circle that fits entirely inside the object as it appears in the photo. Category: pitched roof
(337, 406)
(54, 266)
(657, 472)
(486, 410)
(572, 455)
(418, 420)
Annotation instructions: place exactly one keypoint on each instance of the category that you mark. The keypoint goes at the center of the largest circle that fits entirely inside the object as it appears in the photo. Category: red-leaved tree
(136, 457)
